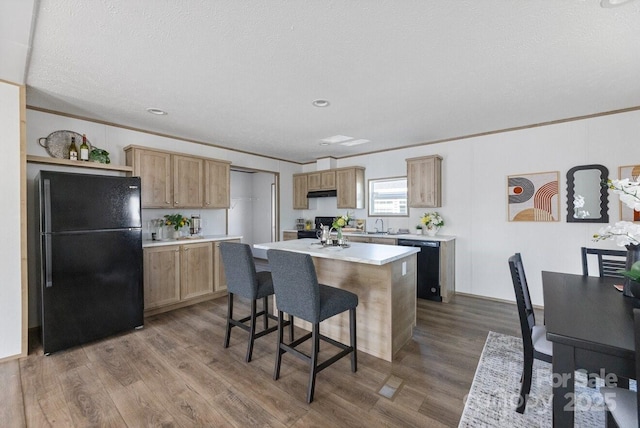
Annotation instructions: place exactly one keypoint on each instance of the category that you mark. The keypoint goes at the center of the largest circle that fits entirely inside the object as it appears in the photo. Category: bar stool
(298, 294)
(243, 280)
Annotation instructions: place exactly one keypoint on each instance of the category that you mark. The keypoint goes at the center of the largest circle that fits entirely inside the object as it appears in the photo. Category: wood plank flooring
(175, 372)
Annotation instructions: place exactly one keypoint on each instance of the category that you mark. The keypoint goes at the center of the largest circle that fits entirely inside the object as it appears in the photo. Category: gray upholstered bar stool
(298, 294)
(243, 280)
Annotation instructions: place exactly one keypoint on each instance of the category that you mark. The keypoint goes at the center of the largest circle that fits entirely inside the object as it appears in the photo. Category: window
(388, 197)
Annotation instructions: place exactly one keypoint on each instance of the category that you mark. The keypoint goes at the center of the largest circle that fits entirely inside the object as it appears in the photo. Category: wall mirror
(587, 198)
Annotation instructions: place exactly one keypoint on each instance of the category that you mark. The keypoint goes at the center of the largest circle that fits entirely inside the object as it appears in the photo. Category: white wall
(475, 171)
(10, 258)
(474, 203)
(241, 211)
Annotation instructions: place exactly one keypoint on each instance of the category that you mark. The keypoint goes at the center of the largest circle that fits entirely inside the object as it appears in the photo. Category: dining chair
(244, 281)
(534, 337)
(299, 294)
(609, 261)
(623, 405)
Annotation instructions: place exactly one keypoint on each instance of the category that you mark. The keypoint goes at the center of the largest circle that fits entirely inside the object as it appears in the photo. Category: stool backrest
(295, 284)
(239, 269)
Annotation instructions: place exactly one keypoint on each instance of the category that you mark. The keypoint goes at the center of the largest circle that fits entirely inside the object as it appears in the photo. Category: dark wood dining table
(590, 324)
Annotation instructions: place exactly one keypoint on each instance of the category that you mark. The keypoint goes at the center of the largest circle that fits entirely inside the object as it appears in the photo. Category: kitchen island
(383, 277)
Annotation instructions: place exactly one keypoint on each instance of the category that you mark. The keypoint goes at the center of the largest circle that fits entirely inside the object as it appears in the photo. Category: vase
(432, 230)
(176, 234)
(633, 255)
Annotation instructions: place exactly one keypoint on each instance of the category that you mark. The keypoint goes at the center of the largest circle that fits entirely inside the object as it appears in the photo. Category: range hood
(322, 194)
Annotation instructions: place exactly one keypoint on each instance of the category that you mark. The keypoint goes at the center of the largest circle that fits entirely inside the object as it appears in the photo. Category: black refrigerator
(90, 257)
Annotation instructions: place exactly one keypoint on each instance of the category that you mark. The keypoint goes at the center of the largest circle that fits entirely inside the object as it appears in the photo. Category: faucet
(381, 223)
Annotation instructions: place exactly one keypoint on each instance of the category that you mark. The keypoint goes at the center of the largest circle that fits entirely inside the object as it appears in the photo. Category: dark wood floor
(175, 372)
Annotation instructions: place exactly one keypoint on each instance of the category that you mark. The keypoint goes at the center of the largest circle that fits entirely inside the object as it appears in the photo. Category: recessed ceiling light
(156, 111)
(324, 143)
(320, 103)
(336, 139)
(613, 3)
(355, 142)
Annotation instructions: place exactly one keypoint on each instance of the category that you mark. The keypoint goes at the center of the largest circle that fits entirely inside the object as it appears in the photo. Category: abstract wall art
(632, 172)
(534, 197)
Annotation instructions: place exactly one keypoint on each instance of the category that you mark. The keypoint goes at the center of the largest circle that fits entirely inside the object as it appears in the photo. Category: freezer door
(91, 287)
(78, 202)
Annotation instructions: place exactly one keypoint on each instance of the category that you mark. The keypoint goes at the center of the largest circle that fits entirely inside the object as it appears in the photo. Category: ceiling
(243, 74)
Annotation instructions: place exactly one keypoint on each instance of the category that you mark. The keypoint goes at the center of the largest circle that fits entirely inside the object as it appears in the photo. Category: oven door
(307, 234)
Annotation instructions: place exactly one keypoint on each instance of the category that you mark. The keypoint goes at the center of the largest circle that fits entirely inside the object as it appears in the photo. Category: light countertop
(373, 254)
(441, 238)
(147, 243)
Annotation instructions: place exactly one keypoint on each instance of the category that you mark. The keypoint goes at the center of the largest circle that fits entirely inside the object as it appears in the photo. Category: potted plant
(176, 221)
(432, 222)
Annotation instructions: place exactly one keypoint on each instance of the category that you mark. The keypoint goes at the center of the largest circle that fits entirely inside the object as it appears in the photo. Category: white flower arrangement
(623, 232)
(629, 192)
(432, 219)
(341, 221)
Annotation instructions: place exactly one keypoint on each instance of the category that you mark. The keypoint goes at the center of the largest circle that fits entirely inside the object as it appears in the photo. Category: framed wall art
(534, 197)
(632, 172)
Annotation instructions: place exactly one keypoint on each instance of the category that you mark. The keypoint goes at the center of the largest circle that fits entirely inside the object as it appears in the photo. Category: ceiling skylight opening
(320, 103)
(336, 139)
(355, 142)
(157, 111)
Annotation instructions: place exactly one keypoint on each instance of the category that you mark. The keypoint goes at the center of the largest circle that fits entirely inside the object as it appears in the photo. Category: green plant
(633, 273)
(176, 220)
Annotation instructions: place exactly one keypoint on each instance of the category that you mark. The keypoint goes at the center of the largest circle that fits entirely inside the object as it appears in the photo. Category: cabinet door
(314, 181)
(350, 188)
(220, 281)
(289, 236)
(197, 270)
(187, 181)
(328, 180)
(424, 182)
(363, 239)
(300, 201)
(216, 184)
(154, 170)
(384, 241)
(161, 276)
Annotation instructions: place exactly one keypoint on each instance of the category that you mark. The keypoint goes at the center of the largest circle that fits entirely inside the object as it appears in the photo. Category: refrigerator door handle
(46, 202)
(48, 282)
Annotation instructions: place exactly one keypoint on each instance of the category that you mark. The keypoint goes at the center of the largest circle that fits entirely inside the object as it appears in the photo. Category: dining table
(590, 325)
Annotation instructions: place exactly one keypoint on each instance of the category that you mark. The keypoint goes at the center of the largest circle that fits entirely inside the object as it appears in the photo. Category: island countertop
(373, 254)
(188, 240)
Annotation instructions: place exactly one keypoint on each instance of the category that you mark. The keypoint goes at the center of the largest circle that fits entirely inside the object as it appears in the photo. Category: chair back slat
(609, 261)
(523, 299)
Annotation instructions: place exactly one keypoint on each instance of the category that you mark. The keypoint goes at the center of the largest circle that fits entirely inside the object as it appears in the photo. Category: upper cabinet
(173, 180)
(216, 184)
(300, 189)
(350, 187)
(424, 184)
(188, 181)
(321, 180)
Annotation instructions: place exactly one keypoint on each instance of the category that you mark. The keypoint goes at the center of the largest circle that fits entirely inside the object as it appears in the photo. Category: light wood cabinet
(188, 181)
(161, 276)
(321, 180)
(350, 188)
(424, 183)
(220, 282)
(300, 190)
(372, 240)
(196, 270)
(216, 184)
(154, 169)
(173, 180)
(289, 236)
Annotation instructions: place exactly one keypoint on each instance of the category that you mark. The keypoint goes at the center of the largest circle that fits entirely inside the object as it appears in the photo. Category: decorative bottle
(73, 150)
(84, 149)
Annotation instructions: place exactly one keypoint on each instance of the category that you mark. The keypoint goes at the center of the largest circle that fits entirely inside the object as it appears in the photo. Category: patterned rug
(493, 396)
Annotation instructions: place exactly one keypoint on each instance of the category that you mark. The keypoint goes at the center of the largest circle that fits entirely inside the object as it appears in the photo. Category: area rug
(493, 396)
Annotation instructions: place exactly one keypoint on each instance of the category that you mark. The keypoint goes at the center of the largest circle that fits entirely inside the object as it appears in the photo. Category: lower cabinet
(372, 240)
(181, 275)
(289, 236)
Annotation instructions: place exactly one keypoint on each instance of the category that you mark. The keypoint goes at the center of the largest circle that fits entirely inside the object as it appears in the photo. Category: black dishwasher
(428, 266)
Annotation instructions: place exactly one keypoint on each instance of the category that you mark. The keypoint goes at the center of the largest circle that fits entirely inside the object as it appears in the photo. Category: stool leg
(252, 331)
(279, 352)
(227, 335)
(290, 328)
(315, 337)
(354, 353)
(265, 318)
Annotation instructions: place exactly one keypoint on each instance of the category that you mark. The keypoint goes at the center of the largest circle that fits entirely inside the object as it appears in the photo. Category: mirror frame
(604, 193)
